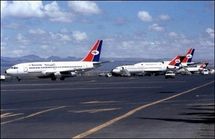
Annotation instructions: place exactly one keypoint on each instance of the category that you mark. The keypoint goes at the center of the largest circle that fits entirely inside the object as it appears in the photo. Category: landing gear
(53, 78)
(18, 79)
(62, 78)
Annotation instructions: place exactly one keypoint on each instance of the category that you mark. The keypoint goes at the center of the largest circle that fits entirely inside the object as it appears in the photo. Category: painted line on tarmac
(81, 88)
(6, 115)
(89, 82)
(98, 102)
(131, 112)
(30, 108)
(32, 115)
(95, 110)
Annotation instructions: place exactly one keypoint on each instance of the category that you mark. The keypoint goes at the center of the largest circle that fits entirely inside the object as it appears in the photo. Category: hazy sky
(151, 29)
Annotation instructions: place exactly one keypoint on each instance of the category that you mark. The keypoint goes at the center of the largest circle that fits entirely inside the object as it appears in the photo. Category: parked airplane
(60, 69)
(189, 67)
(147, 68)
(193, 68)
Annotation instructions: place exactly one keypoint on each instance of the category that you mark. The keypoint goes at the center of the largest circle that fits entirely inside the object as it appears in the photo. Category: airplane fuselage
(143, 67)
(43, 69)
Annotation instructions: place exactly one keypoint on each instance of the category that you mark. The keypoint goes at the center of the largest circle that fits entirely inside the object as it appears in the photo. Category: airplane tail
(176, 61)
(189, 56)
(204, 65)
(94, 53)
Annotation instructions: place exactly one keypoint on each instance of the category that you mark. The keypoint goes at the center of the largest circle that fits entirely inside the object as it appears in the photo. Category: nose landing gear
(18, 79)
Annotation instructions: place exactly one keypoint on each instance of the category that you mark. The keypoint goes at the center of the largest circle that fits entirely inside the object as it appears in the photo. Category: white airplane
(195, 68)
(61, 69)
(189, 67)
(147, 68)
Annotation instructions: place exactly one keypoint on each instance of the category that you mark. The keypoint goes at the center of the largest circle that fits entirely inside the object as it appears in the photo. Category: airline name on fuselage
(40, 65)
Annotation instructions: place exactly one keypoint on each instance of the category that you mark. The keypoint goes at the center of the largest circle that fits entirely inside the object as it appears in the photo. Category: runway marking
(95, 110)
(6, 115)
(31, 108)
(44, 111)
(81, 88)
(89, 82)
(32, 115)
(98, 102)
(131, 112)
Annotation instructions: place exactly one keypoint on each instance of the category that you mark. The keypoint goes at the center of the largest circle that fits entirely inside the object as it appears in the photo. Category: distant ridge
(9, 61)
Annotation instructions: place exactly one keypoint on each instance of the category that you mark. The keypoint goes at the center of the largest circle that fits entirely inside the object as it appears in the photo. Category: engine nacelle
(73, 73)
(57, 74)
(44, 72)
(173, 67)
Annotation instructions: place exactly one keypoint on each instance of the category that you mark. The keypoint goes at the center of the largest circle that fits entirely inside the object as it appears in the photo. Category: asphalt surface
(116, 107)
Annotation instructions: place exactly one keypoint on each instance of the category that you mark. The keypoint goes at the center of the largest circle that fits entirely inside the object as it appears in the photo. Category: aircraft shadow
(204, 114)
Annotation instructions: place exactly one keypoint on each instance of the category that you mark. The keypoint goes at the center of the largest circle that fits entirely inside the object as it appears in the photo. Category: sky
(139, 29)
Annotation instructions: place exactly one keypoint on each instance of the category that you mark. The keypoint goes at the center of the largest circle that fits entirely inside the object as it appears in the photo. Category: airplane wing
(53, 72)
(96, 64)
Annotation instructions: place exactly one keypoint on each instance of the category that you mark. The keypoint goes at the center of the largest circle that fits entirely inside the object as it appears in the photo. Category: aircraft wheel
(18, 79)
(62, 78)
(53, 78)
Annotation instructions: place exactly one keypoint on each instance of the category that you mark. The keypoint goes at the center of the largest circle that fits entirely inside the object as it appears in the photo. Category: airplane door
(25, 69)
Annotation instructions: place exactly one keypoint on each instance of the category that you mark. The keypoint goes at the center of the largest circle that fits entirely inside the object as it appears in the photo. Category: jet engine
(73, 73)
(57, 74)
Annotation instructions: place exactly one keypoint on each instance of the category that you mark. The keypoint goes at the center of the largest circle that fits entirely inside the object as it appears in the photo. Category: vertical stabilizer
(94, 53)
(189, 56)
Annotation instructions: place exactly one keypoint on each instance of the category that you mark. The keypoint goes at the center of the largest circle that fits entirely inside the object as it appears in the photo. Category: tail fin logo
(189, 56)
(177, 61)
(95, 52)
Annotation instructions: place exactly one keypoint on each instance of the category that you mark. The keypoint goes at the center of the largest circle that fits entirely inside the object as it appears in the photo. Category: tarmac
(116, 107)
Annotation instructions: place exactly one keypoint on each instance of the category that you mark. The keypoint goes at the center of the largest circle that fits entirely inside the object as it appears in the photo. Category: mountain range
(9, 61)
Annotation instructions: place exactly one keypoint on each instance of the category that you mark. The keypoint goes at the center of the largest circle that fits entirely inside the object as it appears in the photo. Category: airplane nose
(114, 71)
(5, 71)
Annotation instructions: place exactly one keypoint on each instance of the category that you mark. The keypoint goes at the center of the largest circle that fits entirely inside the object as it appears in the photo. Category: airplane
(148, 68)
(59, 69)
(193, 68)
(189, 67)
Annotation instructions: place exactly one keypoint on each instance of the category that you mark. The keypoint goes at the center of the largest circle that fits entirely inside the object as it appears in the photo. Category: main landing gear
(18, 79)
(54, 78)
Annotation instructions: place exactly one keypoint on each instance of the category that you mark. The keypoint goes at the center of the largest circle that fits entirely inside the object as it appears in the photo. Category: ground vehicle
(2, 77)
(169, 74)
(205, 71)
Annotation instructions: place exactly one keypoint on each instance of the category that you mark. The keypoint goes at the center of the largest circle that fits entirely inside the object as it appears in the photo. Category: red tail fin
(175, 61)
(189, 56)
(94, 54)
